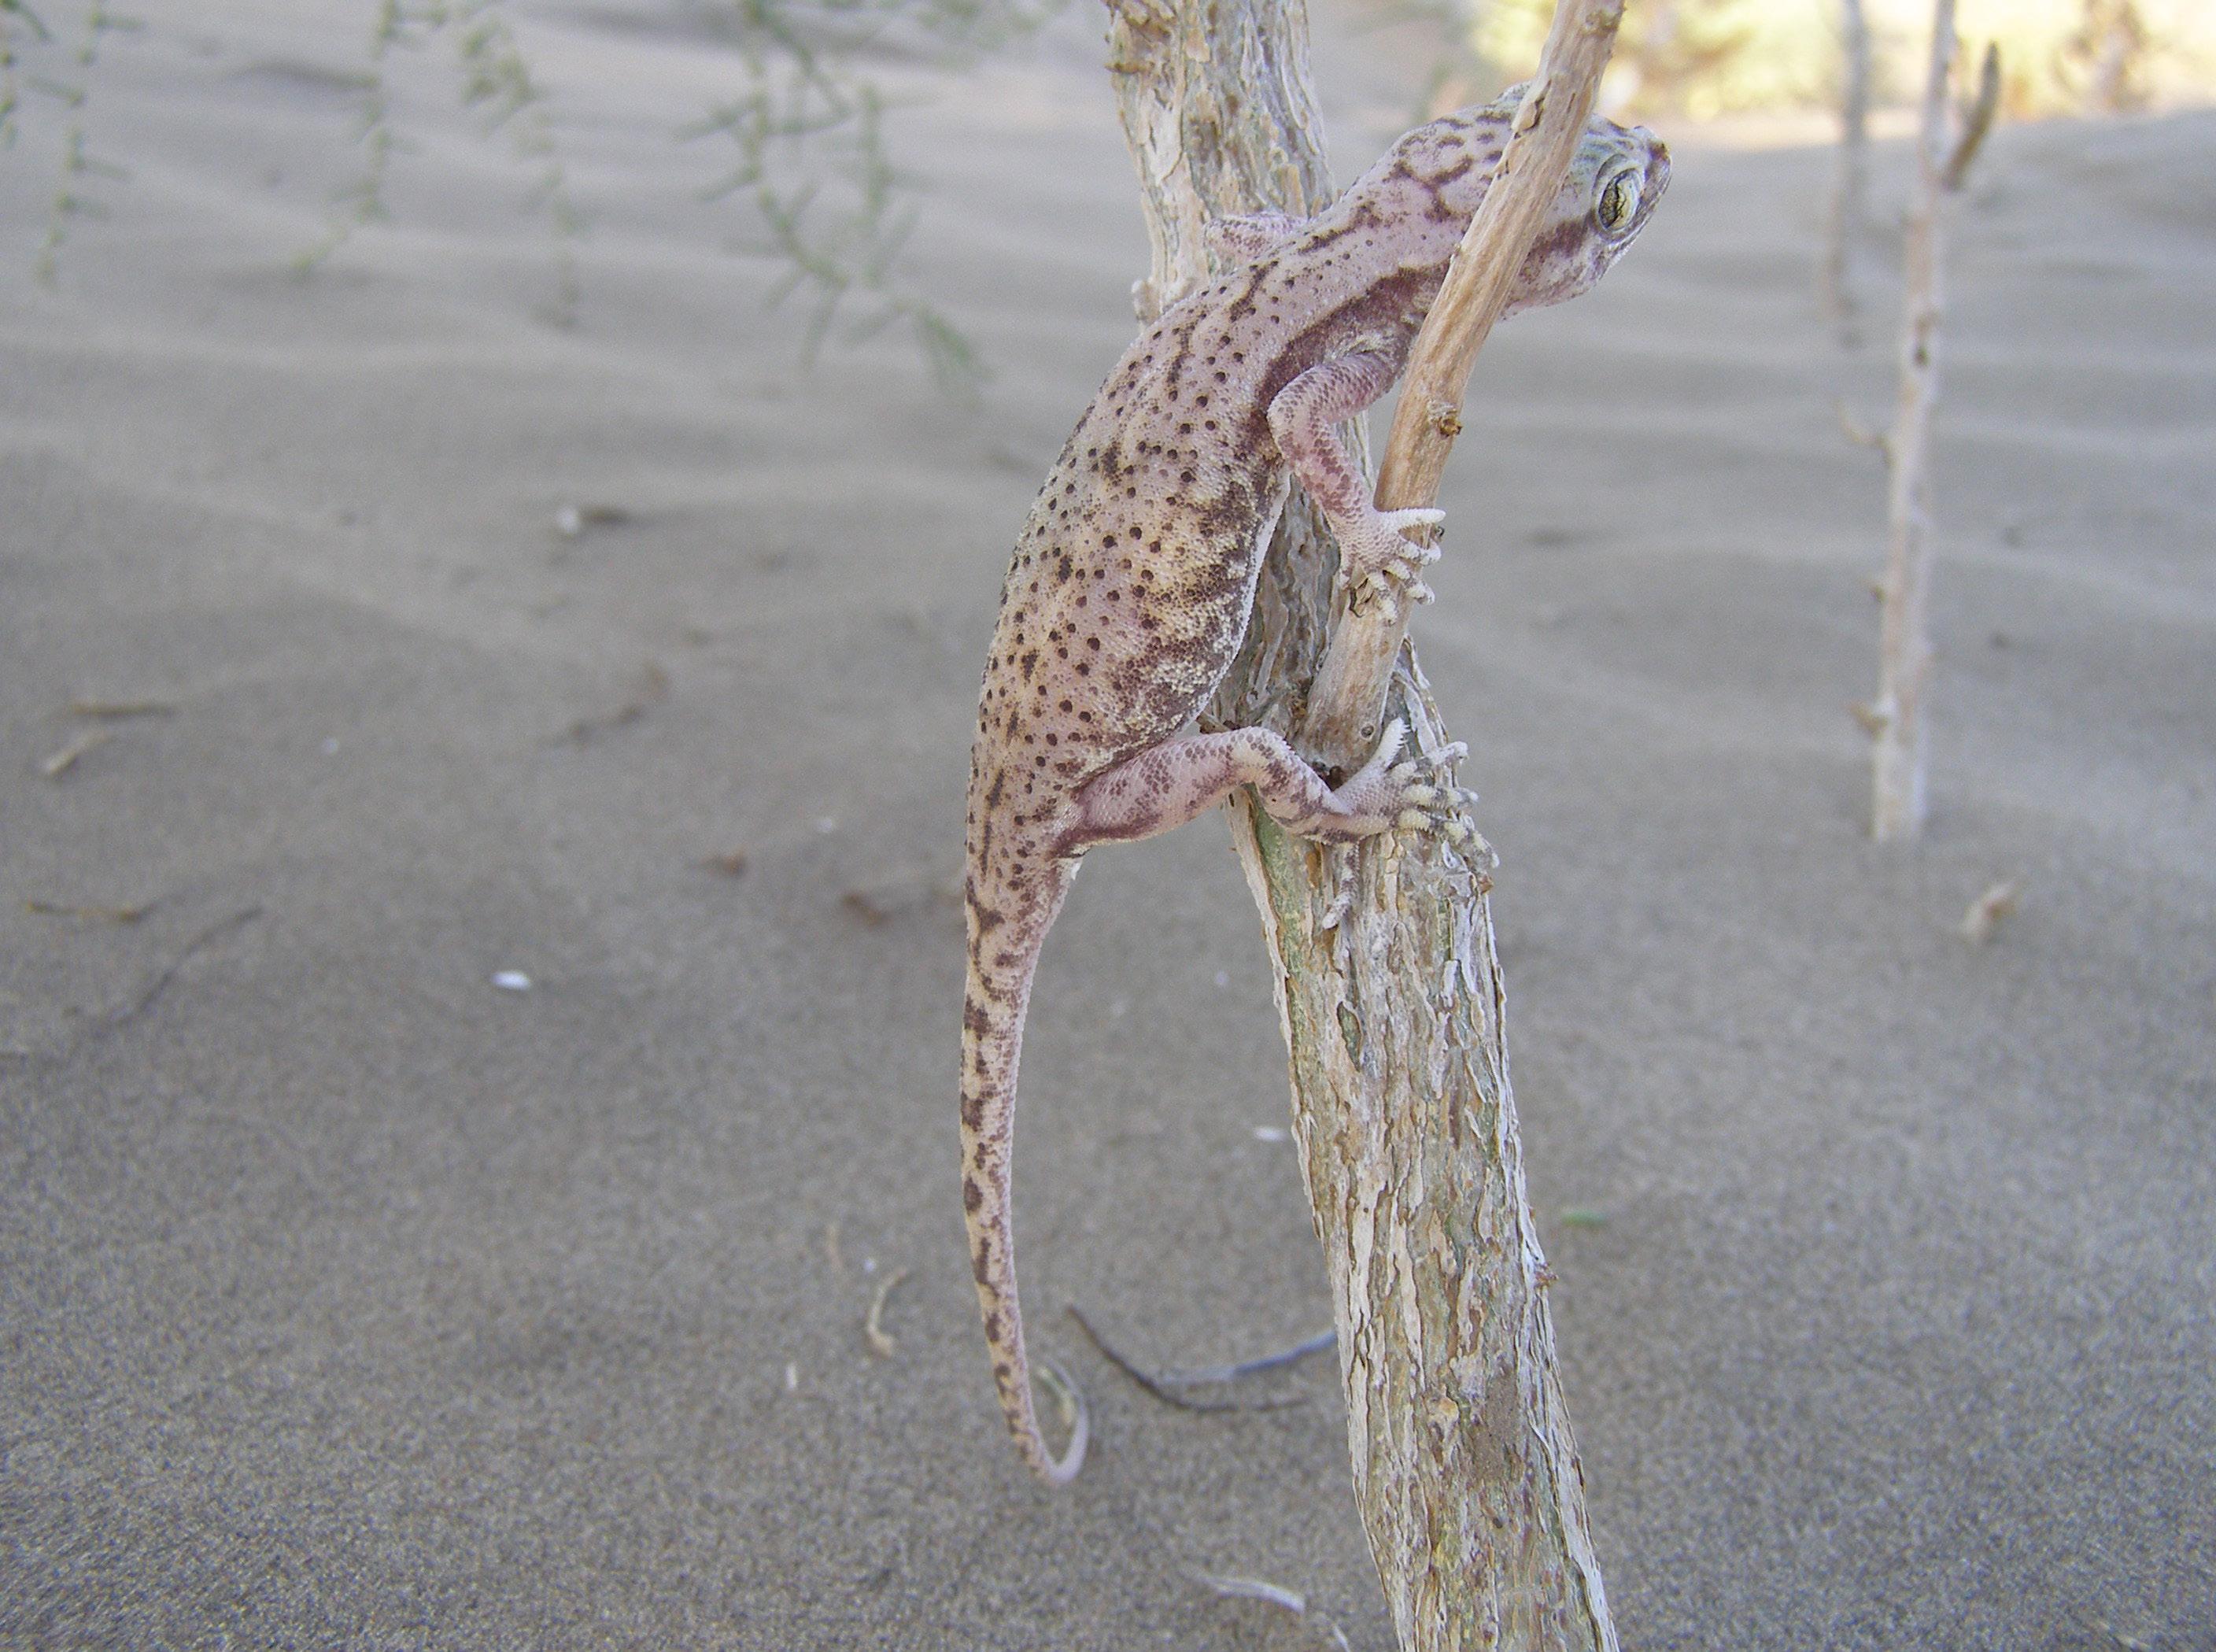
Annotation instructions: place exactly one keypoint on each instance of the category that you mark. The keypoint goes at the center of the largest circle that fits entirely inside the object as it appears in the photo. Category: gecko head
(1616, 177)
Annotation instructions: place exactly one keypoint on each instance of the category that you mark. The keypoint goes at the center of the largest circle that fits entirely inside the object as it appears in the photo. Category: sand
(347, 1298)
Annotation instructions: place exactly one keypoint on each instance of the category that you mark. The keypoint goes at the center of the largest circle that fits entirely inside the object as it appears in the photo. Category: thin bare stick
(96, 914)
(115, 708)
(1160, 1386)
(1977, 118)
(1851, 187)
(1898, 737)
(1347, 707)
(1202, 1376)
(59, 763)
(204, 939)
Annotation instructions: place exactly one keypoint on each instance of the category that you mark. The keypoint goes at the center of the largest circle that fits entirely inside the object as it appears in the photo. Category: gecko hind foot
(1409, 795)
(1430, 803)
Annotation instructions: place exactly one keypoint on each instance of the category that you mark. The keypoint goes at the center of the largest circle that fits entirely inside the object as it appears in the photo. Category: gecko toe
(1398, 520)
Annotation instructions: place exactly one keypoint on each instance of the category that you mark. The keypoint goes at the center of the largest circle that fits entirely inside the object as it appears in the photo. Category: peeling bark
(1387, 986)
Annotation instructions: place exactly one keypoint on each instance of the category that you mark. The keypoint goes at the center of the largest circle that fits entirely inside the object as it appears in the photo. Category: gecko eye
(1619, 200)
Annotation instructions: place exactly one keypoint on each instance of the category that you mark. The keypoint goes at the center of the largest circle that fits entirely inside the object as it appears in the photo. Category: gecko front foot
(1375, 555)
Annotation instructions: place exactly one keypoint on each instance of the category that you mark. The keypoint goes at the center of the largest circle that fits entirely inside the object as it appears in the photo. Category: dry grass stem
(881, 1340)
(1252, 1589)
(95, 914)
(121, 708)
(54, 765)
(1988, 912)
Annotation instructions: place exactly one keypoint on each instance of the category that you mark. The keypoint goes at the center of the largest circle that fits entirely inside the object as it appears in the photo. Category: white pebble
(511, 980)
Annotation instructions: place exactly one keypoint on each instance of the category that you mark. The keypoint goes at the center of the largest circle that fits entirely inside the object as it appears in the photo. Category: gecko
(1134, 574)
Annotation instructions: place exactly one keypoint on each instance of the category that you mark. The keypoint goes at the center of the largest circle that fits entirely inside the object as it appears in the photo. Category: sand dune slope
(348, 1298)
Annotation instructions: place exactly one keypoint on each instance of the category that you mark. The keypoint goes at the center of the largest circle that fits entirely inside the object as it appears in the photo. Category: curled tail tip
(1060, 1471)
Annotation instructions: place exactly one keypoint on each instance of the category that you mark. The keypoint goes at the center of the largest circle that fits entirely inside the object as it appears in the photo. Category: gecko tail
(1060, 1471)
(1002, 962)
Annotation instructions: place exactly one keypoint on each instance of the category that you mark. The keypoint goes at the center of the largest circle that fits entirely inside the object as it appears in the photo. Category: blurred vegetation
(807, 127)
(806, 122)
(494, 78)
(62, 76)
(1705, 58)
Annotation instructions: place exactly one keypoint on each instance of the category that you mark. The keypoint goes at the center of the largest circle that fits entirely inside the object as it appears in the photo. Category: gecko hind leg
(1182, 779)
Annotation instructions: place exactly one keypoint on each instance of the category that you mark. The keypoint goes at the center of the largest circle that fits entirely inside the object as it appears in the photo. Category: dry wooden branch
(1898, 738)
(1387, 986)
(1346, 708)
(1851, 188)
